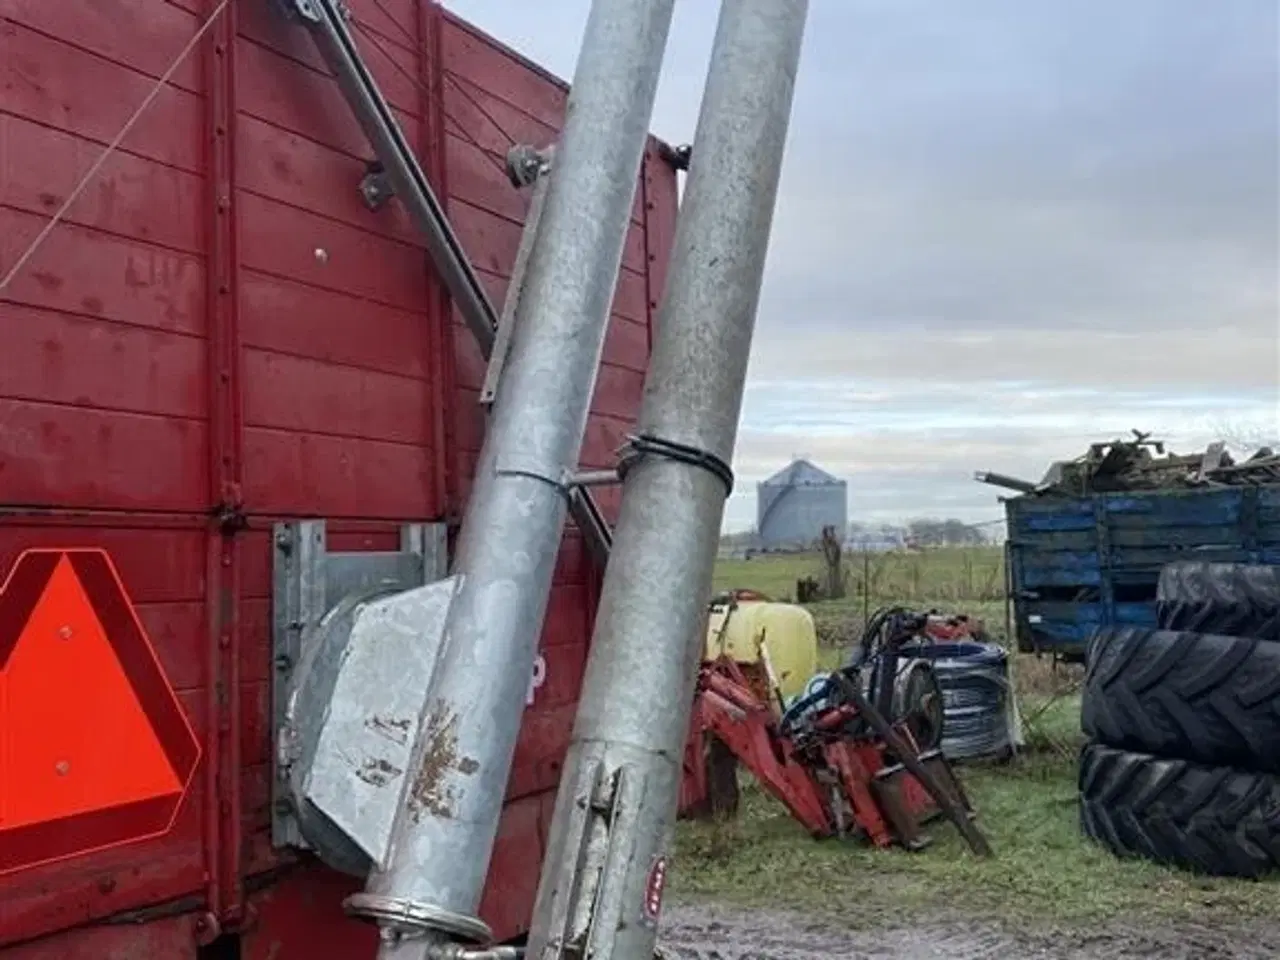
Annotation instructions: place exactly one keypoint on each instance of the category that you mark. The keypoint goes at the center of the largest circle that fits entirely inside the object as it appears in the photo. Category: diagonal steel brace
(326, 21)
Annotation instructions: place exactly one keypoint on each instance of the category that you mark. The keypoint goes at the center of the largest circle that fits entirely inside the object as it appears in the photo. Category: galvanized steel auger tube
(444, 831)
(602, 878)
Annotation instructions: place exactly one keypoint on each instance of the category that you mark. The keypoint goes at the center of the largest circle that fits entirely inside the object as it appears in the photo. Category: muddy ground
(723, 933)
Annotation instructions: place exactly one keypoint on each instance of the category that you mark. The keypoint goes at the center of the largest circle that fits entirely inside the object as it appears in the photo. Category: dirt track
(715, 933)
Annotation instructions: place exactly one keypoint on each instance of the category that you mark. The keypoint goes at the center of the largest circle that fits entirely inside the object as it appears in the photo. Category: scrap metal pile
(1121, 466)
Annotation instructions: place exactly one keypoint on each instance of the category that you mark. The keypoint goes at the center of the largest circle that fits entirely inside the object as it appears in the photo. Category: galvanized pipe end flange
(406, 918)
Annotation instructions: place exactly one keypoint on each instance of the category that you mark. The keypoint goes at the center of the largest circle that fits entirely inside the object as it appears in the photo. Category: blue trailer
(1077, 563)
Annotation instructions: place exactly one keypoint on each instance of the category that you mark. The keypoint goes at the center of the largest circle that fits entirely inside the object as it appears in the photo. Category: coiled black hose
(974, 678)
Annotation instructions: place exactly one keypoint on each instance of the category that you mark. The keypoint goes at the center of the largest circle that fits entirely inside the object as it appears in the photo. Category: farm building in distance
(795, 504)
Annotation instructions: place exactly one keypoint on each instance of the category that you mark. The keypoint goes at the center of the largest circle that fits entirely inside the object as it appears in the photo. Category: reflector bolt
(64, 633)
(63, 768)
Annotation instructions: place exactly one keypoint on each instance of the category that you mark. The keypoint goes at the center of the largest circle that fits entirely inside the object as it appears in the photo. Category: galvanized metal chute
(602, 877)
(398, 706)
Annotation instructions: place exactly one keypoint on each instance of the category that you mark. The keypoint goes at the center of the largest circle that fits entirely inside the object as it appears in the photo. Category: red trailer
(220, 335)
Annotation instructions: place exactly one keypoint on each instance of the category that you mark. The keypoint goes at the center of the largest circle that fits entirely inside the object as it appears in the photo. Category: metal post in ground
(428, 892)
(601, 884)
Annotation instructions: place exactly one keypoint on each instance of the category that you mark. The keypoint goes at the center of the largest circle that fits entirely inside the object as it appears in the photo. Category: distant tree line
(928, 532)
(921, 532)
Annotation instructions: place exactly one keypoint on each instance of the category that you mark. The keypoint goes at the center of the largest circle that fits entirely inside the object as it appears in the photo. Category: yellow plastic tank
(788, 632)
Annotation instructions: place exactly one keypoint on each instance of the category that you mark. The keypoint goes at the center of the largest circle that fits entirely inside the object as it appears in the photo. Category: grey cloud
(908, 452)
(1076, 193)
(1004, 165)
(1210, 358)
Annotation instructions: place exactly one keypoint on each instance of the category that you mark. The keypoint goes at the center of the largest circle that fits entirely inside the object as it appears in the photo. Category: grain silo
(795, 504)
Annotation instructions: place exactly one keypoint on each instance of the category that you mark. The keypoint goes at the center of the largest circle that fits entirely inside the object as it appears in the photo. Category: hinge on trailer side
(229, 513)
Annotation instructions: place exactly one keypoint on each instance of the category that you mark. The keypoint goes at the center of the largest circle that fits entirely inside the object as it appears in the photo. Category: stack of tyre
(1182, 764)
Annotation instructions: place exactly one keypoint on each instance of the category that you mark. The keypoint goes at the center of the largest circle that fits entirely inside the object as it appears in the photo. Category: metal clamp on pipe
(647, 445)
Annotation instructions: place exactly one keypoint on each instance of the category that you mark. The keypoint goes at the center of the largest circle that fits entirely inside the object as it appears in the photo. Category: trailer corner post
(602, 878)
(427, 895)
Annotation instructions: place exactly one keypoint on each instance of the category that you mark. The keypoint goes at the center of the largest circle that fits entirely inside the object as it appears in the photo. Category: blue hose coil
(974, 678)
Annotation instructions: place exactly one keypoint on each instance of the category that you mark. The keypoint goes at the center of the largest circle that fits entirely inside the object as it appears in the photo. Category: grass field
(954, 579)
(1044, 872)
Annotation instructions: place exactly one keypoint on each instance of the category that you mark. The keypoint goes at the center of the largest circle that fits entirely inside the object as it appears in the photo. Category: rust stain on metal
(378, 772)
(395, 729)
(431, 791)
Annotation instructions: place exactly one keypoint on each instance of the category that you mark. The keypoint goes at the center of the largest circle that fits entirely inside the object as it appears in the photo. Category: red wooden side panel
(218, 323)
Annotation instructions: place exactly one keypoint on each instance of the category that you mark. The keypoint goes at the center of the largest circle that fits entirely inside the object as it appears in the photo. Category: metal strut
(398, 173)
(327, 24)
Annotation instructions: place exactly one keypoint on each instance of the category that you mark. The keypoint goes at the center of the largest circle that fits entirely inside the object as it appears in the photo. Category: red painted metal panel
(65, 87)
(471, 56)
(605, 436)
(511, 884)
(138, 35)
(131, 197)
(296, 244)
(94, 274)
(627, 344)
(291, 318)
(169, 937)
(61, 358)
(391, 59)
(661, 204)
(312, 396)
(282, 91)
(68, 456)
(289, 168)
(219, 321)
(302, 916)
(334, 476)
(618, 392)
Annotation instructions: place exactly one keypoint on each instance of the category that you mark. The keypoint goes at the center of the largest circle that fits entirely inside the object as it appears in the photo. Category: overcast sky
(1006, 229)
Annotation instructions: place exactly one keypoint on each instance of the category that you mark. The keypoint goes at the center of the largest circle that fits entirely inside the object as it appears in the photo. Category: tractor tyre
(1209, 820)
(1241, 600)
(1196, 696)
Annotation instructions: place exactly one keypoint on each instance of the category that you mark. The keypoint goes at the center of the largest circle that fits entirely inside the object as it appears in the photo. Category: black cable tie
(646, 444)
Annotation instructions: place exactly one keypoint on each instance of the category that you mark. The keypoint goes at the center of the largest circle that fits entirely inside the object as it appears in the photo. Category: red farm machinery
(852, 753)
(319, 321)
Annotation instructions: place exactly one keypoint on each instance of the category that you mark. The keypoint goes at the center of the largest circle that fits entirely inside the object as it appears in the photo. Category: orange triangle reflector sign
(95, 750)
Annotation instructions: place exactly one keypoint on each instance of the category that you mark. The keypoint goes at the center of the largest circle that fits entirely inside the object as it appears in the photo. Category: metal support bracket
(313, 588)
(375, 186)
(594, 478)
(525, 166)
